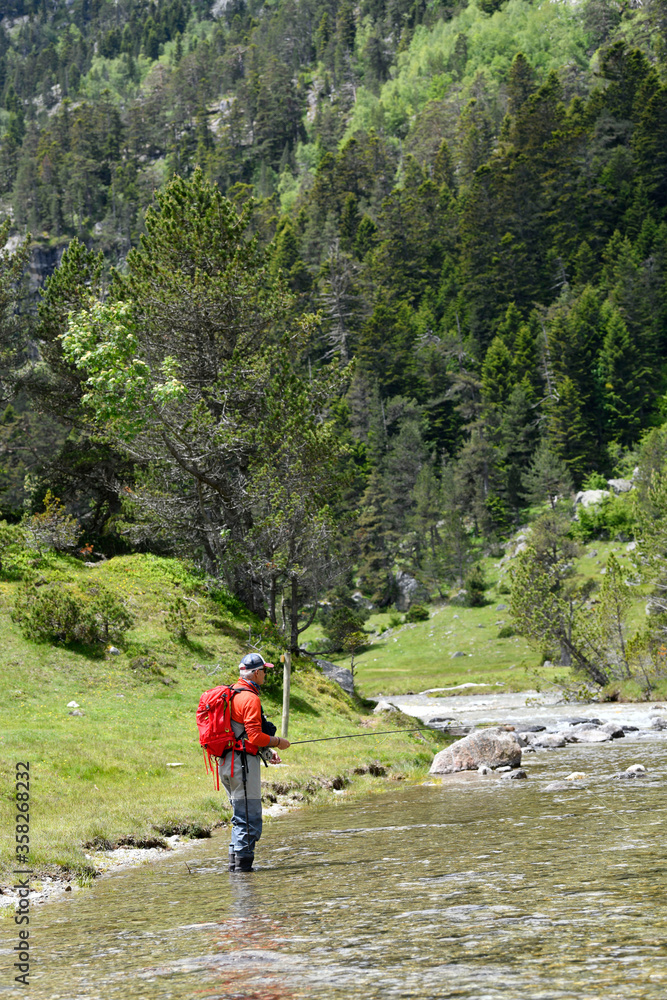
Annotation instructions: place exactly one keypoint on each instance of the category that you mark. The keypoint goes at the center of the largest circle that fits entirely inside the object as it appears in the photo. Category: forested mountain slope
(473, 196)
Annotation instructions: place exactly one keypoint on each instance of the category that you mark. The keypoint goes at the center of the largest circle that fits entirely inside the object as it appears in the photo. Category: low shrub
(53, 528)
(475, 585)
(417, 613)
(506, 632)
(181, 619)
(111, 615)
(57, 614)
(613, 518)
(15, 559)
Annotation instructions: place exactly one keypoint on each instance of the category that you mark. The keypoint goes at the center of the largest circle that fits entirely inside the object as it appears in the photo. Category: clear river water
(478, 887)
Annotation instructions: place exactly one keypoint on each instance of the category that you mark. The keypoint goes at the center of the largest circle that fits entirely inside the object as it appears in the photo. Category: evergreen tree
(497, 374)
(375, 543)
(521, 83)
(567, 429)
(620, 377)
(547, 478)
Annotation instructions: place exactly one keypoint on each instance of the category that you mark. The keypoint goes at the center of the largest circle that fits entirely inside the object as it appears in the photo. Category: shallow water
(476, 887)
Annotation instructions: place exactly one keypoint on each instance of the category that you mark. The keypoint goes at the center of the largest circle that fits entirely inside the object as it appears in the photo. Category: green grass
(413, 658)
(102, 776)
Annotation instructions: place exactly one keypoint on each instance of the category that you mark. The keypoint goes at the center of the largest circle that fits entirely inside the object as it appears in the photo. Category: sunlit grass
(416, 657)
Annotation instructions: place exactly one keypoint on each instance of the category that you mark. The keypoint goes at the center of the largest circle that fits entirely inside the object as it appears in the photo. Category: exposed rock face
(588, 498)
(493, 747)
(43, 262)
(409, 591)
(620, 485)
(340, 675)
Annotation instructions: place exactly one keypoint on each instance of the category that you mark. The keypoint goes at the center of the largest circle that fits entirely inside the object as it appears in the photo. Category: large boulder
(493, 747)
(620, 485)
(341, 675)
(589, 498)
(410, 591)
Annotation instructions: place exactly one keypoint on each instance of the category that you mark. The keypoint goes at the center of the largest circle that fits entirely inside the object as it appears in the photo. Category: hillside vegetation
(326, 297)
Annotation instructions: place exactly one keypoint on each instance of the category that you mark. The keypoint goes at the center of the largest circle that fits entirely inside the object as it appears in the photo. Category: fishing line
(358, 736)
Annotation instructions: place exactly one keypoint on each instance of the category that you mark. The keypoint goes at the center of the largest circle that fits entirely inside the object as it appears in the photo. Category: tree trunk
(294, 616)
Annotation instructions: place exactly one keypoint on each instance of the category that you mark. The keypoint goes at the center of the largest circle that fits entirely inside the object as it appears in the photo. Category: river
(475, 887)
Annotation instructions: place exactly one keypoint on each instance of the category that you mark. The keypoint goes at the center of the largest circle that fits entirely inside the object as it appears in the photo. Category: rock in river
(548, 741)
(493, 747)
(588, 733)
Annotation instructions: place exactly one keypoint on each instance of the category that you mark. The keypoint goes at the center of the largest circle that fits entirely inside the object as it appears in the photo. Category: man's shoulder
(244, 694)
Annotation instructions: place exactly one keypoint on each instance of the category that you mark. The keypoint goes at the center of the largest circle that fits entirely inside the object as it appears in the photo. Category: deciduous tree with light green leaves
(189, 369)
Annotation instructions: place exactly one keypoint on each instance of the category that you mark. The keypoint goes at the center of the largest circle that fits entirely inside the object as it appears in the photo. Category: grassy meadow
(415, 657)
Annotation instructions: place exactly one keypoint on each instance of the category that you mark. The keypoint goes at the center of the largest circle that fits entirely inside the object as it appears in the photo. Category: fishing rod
(358, 736)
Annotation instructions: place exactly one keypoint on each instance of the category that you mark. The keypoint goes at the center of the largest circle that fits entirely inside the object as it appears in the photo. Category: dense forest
(436, 234)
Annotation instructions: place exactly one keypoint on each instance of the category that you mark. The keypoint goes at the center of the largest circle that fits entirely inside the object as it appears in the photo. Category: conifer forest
(319, 293)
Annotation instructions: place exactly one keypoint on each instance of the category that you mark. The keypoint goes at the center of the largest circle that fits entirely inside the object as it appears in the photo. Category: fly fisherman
(240, 770)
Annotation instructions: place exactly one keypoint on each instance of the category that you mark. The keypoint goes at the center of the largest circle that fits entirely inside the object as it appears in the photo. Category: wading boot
(232, 861)
(244, 864)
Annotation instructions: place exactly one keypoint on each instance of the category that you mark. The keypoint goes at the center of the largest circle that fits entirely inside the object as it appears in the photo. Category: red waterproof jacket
(247, 710)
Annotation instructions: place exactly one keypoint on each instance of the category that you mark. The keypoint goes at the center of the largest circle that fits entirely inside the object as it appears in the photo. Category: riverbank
(110, 736)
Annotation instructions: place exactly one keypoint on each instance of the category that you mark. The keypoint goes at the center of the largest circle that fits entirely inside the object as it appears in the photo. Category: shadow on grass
(300, 705)
(193, 646)
(79, 648)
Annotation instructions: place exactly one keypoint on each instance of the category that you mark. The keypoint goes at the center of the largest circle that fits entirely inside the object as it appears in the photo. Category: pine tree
(521, 83)
(374, 542)
(547, 478)
(568, 436)
(517, 437)
(497, 379)
(620, 374)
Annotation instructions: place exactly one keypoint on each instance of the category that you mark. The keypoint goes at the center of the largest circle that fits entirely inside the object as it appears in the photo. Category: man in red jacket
(240, 770)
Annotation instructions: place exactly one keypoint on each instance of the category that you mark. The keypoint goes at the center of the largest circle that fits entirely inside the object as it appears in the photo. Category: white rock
(175, 763)
(620, 485)
(383, 706)
(576, 776)
(113, 650)
(635, 769)
(593, 735)
(546, 741)
(72, 704)
(589, 498)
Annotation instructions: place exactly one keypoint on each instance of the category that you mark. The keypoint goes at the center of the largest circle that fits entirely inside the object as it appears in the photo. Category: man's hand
(282, 743)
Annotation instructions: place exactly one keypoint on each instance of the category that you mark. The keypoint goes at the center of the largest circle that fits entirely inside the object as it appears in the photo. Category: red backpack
(214, 721)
